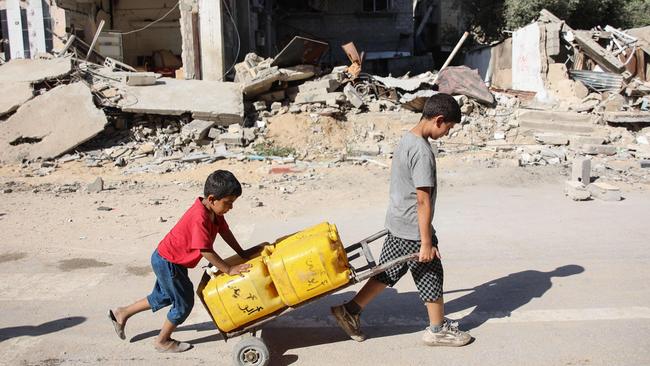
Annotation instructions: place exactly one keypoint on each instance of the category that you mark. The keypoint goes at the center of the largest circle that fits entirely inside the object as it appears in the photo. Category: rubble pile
(595, 106)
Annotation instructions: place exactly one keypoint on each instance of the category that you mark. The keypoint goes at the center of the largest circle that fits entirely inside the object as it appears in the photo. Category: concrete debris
(552, 139)
(35, 70)
(197, 129)
(604, 191)
(581, 170)
(51, 124)
(576, 191)
(96, 186)
(219, 101)
(599, 149)
(14, 94)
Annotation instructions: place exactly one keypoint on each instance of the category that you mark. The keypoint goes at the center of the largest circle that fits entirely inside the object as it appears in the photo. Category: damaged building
(202, 39)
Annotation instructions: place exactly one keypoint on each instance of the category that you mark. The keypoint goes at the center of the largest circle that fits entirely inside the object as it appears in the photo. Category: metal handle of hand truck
(365, 249)
(383, 267)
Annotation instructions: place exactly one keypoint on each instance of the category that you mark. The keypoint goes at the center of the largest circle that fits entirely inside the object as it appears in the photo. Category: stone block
(276, 106)
(582, 140)
(576, 191)
(333, 99)
(311, 97)
(234, 128)
(197, 129)
(96, 186)
(364, 149)
(592, 149)
(232, 138)
(581, 170)
(605, 191)
(214, 133)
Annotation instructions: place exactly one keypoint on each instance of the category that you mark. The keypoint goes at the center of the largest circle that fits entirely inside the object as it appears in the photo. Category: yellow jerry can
(306, 265)
(237, 300)
(322, 228)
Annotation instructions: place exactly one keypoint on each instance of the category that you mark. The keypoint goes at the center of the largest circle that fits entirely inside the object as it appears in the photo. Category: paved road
(536, 278)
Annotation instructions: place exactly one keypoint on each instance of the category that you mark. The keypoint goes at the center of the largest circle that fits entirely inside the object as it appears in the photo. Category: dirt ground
(64, 262)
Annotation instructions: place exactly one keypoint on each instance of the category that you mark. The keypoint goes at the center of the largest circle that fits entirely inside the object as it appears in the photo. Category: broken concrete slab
(14, 94)
(551, 139)
(555, 121)
(221, 102)
(576, 191)
(604, 191)
(35, 70)
(599, 149)
(627, 117)
(581, 140)
(51, 124)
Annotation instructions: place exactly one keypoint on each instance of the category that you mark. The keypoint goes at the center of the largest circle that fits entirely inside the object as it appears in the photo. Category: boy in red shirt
(183, 247)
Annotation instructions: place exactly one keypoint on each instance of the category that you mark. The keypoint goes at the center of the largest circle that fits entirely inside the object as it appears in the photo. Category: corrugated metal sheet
(598, 81)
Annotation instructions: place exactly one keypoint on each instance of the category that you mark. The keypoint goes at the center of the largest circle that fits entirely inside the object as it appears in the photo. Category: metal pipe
(453, 53)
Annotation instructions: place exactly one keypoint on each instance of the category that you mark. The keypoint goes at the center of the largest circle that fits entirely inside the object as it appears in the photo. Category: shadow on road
(497, 298)
(500, 297)
(42, 329)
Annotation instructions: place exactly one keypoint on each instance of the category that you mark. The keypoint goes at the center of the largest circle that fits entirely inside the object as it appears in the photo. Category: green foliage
(637, 13)
(485, 18)
(488, 19)
(269, 149)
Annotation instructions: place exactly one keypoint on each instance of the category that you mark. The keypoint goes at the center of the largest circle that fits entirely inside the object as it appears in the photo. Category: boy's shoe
(351, 324)
(449, 336)
(174, 347)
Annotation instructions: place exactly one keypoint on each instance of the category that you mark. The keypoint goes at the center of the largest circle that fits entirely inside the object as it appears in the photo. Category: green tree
(488, 19)
(637, 13)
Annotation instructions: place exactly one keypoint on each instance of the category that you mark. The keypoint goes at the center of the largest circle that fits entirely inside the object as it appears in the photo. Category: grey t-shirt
(414, 166)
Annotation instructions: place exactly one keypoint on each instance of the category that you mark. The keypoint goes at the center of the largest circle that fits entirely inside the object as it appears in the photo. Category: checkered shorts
(428, 277)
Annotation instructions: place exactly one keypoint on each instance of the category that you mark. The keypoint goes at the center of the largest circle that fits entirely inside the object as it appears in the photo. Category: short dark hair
(441, 104)
(222, 183)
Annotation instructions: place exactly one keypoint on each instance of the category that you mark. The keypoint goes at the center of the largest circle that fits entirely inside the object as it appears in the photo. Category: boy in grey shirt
(412, 199)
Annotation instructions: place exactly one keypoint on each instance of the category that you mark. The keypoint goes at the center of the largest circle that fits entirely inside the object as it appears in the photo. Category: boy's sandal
(175, 347)
(119, 328)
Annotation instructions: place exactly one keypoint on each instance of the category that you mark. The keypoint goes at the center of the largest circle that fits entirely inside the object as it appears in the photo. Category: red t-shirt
(193, 232)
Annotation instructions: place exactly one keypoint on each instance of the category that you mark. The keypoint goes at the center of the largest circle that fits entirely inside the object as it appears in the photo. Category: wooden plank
(590, 47)
(36, 28)
(596, 52)
(15, 30)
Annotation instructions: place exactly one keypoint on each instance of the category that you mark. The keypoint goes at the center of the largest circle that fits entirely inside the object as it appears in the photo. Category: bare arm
(427, 251)
(216, 261)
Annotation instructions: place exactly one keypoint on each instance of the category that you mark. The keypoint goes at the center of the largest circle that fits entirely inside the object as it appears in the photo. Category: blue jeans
(173, 287)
